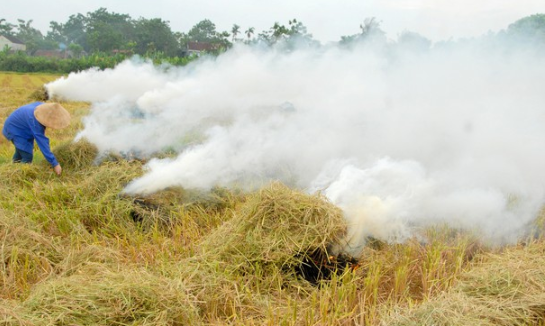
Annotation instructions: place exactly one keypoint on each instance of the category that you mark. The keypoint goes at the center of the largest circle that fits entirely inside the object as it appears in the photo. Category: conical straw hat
(52, 115)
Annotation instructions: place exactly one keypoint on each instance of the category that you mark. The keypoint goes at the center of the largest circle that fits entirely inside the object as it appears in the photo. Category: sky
(327, 20)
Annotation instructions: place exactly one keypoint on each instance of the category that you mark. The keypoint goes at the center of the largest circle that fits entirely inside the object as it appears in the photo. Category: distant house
(199, 47)
(13, 43)
(126, 52)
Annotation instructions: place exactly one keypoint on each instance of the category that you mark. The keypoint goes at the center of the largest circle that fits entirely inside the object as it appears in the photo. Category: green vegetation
(110, 33)
(21, 62)
(529, 28)
(103, 39)
(75, 252)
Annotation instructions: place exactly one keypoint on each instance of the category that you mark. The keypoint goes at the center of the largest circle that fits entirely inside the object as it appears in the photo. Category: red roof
(201, 46)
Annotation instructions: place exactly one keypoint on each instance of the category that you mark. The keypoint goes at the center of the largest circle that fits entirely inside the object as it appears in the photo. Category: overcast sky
(327, 20)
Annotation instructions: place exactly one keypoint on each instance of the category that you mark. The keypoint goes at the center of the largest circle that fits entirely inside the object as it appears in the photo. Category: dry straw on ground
(27, 256)
(73, 253)
(508, 288)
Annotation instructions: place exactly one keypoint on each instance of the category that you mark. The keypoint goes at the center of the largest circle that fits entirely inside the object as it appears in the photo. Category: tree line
(101, 34)
(107, 32)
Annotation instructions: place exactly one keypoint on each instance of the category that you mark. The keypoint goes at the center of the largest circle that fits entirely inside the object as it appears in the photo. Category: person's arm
(43, 143)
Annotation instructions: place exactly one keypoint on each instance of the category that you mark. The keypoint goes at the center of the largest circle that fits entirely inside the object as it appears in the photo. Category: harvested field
(75, 250)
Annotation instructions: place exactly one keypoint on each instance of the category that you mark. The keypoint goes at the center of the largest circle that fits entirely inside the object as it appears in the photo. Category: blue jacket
(22, 128)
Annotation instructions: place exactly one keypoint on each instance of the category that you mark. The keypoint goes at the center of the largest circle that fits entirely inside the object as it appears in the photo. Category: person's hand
(58, 169)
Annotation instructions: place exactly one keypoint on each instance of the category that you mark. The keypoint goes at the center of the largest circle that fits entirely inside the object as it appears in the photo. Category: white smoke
(399, 140)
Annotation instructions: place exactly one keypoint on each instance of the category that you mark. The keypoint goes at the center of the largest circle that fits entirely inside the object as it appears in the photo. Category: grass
(74, 251)
(506, 288)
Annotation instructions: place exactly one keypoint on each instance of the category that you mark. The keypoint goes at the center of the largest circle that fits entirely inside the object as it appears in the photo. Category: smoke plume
(399, 138)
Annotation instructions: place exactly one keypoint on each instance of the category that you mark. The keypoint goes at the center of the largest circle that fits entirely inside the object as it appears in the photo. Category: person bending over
(28, 123)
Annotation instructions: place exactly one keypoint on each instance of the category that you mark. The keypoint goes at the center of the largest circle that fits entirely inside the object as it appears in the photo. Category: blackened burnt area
(141, 207)
(317, 265)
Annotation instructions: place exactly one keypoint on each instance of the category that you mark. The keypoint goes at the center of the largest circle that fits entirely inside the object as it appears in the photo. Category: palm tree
(249, 32)
(235, 31)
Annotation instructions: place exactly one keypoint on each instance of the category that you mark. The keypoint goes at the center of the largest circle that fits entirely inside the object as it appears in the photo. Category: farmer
(28, 123)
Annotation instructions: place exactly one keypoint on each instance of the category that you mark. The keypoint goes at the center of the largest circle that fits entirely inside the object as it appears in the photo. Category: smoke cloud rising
(399, 138)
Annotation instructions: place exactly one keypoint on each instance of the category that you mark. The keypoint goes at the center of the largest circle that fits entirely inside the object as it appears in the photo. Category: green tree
(371, 27)
(181, 38)
(32, 37)
(273, 34)
(154, 34)
(249, 33)
(298, 35)
(530, 28)
(223, 38)
(370, 33)
(235, 31)
(205, 31)
(76, 49)
(75, 30)
(291, 36)
(108, 31)
(413, 41)
(55, 33)
(6, 28)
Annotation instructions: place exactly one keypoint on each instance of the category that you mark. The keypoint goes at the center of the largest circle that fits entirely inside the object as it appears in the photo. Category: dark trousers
(21, 156)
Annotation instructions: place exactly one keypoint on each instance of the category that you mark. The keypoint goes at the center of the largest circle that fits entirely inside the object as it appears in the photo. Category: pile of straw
(275, 227)
(40, 94)
(76, 155)
(121, 297)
